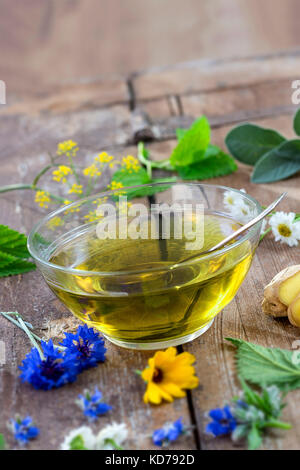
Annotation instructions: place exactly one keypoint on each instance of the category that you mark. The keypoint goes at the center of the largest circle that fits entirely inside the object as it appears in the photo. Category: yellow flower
(92, 216)
(55, 222)
(76, 188)
(104, 158)
(168, 375)
(41, 198)
(61, 173)
(92, 171)
(130, 163)
(73, 209)
(115, 185)
(68, 147)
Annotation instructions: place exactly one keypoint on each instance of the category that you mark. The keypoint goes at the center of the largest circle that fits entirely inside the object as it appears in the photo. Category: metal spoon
(238, 232)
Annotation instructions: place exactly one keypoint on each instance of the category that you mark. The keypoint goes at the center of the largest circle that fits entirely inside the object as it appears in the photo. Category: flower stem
(113, 443)
(277, 424)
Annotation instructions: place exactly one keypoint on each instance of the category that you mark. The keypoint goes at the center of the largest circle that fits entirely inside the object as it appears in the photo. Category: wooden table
(112, 114)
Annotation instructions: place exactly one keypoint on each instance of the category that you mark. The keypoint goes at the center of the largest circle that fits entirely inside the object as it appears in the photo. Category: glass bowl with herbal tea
(123, 271)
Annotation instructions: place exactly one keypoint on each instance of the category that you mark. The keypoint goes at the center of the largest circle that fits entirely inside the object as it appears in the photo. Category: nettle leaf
(297, 122)
(267, 366)
(214, 163)
(192, 144)
(280, 163)
(13, 252)
(247, 142)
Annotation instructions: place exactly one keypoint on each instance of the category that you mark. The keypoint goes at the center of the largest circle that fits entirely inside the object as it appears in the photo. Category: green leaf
(215, 163)
(13, 242)
(13, 252)
(77, 443)
(2, 442)
(278, 164)
(180, 133)
(247, 142)
(267, 366)
(297, 122)
(192, 144)
(254, 438)
(139, 177)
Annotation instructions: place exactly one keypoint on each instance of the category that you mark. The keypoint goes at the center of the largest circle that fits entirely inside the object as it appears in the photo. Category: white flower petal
(87, 435)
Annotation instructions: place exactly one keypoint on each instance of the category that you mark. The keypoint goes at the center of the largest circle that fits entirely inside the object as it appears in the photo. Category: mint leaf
(192, 144)
(13, 252)
(280, 163)
(247, 142)
(180, 133)
(214, 163)
(267, 366)
(297, 122)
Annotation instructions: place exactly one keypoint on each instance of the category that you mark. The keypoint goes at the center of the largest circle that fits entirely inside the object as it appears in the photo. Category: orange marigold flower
(168, 376)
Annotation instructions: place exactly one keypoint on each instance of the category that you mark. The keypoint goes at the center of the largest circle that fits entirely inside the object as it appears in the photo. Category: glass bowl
(116, 260)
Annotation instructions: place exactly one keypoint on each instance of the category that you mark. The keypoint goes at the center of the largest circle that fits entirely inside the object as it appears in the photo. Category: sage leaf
(248, 142)
(267, 366)
(297, 122)
(280, 163)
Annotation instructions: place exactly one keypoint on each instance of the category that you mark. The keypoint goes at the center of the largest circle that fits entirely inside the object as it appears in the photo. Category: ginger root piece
(281, 291)
(294, 311)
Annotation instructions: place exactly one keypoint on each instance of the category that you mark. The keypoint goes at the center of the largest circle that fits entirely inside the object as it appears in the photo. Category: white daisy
(284, 228)
(111, 437)
(231, 199)
(82, 437)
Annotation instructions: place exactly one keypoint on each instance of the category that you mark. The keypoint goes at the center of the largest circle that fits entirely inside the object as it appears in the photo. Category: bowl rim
(79, 272)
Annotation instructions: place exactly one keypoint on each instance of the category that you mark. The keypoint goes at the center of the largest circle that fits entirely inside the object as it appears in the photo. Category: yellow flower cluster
(68, 147)
(104, 158)
(76, 188)
(61, 173)
(92, 216)
(115, 185)
(42, 198)
(92, 171)
(55, 222)
(130, 164)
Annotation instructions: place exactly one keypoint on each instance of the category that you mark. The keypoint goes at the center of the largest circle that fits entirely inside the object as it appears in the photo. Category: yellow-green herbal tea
(131, 294)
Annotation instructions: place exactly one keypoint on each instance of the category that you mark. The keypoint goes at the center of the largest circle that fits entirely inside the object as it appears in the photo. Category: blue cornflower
(23, 430)
(168, 433)
(223, 421)
(92, 405)
(53, 371)
(87, 345)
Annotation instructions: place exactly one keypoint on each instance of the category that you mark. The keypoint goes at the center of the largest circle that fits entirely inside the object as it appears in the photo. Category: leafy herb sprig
(273, 156)
(194, 157)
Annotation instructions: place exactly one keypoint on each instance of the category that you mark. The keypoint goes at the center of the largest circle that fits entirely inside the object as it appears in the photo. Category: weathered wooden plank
(271, 96)
(205, 75)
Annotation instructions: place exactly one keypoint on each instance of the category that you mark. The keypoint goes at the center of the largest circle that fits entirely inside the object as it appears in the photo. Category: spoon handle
(241, 230)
